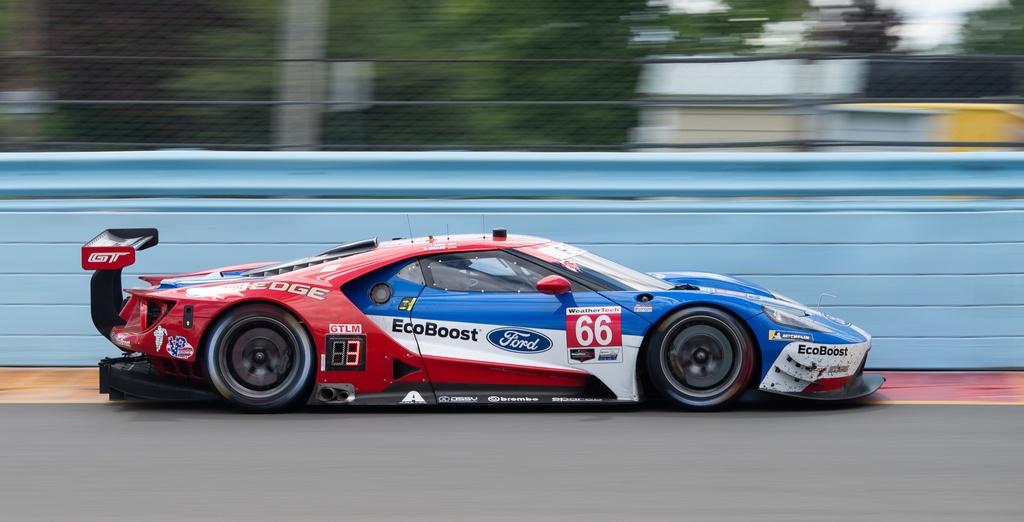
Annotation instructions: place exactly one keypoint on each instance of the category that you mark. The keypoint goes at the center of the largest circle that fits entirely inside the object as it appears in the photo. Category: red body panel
(313, 295)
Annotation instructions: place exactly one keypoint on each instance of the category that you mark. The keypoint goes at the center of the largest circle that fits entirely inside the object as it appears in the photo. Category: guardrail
(923, 250)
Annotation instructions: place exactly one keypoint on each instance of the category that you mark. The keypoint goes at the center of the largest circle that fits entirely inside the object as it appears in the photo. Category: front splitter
(860, 386)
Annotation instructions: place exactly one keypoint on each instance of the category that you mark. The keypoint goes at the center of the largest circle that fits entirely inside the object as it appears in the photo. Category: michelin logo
(775, 335)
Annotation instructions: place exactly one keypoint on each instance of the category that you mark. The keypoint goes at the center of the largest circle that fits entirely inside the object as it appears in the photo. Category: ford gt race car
(468, 319)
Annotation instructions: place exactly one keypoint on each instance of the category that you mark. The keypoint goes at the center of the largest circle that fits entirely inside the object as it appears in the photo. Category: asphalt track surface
(777, 460)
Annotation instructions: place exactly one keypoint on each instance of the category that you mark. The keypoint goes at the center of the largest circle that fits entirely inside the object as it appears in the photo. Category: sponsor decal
(329, 268)
(294, 288)
(560, 252)
(158, 336)
(448, 398)
(413, 397)
(277, 286)
(441, 246)
(433, 330)
(216, 291)
(178, 347)
(107, 258)
(608, 354)
(834, 351)
(734, 293)
(599, 326)
(346, 329)
(643, 308)
(407, 304)
(575, 399)
(519, 340)
(836, 320)
(844, 368)
(495, 398)
(581, 354)
(775, 335)
(120, 339)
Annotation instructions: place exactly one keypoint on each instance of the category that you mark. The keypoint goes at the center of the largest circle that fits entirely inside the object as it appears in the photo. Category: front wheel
(701, 358)
(259, 358)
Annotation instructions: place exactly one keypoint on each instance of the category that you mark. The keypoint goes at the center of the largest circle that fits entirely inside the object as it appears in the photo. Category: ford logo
(519, 340)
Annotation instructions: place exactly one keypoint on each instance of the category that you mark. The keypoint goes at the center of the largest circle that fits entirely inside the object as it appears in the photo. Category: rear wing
(107, 253)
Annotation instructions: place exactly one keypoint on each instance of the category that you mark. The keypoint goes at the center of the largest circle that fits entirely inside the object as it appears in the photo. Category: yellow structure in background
(969, 121)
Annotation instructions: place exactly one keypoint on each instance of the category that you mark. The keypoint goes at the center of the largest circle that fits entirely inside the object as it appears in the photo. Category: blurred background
(619, 75)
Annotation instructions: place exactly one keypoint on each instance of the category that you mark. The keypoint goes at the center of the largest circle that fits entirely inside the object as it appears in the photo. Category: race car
(464, 319)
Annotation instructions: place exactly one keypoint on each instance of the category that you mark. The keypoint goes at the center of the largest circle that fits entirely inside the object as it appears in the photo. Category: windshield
(604, 273)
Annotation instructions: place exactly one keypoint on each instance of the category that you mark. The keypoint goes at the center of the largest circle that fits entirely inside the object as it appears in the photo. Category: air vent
(400, 369)
(338, 252)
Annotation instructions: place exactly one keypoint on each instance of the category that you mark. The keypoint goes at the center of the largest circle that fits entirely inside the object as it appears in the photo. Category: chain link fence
(451, 75)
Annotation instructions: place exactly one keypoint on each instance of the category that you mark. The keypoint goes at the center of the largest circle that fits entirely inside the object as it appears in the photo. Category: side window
(412, 272)
(493, 271)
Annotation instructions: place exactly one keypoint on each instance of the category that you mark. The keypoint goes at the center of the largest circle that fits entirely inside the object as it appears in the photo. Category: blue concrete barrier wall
(923, 250)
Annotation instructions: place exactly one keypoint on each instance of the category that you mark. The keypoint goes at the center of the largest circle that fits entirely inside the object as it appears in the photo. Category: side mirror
(554, 285)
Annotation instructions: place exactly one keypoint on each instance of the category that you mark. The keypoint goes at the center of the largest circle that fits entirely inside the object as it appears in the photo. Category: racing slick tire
(700, 358)
(259, 359)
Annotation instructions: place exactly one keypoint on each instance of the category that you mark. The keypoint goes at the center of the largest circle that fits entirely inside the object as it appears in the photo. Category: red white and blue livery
(466, 319)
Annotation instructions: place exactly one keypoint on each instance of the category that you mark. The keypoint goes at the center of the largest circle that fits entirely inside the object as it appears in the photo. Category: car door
(487, 334)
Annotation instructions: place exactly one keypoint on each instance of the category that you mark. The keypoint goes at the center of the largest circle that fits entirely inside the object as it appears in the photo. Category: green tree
(473, 33)
(731, 29)
(552, 29)
(149, 29)
(997, 30)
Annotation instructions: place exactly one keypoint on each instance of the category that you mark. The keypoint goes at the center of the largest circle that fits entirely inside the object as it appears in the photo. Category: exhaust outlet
(325, 394)
(332, 394)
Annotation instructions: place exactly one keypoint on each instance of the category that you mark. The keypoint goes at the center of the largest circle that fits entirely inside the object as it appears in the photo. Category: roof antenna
(483, 225)
(820, 297)
(447, 233)
(409, 221)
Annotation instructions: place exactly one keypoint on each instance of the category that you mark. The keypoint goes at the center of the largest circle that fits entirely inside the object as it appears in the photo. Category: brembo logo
(519, 340)
(109, 257)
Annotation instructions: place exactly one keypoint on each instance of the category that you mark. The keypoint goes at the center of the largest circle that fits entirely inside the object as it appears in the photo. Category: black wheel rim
(700, 360)
(259, 358)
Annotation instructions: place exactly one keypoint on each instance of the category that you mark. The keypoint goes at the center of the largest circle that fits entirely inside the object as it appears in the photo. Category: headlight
(792, 318)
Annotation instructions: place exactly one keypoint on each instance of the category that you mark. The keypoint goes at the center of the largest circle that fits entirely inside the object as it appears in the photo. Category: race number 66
(593, 326)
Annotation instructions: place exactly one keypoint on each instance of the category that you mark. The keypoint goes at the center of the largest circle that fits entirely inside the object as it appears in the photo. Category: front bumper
(821, 371)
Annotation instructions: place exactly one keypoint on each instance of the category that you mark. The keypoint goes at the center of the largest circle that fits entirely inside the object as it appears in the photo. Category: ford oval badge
(519, 340)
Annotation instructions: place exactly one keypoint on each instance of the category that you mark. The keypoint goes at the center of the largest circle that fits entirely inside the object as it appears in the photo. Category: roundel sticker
(519, 340)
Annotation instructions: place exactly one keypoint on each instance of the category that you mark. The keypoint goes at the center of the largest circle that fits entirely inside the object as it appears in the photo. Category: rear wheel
(259, 358)
(701, 358)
